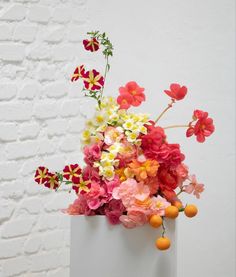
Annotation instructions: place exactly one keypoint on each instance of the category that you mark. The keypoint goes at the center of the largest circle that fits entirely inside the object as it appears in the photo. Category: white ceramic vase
(99, 249)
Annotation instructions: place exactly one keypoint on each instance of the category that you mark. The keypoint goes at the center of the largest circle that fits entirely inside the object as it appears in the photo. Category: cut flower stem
(165, 110)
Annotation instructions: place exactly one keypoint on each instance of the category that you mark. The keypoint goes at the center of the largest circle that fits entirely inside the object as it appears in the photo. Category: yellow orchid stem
(165, 110)
(176, 126)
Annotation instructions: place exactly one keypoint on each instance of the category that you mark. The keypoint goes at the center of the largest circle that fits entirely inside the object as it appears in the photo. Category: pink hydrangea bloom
(92, 153)
(110, 185)
(79, 206)
(194, 187)
(91, 173)
(114, 209)
(134, 218)
(129, 191)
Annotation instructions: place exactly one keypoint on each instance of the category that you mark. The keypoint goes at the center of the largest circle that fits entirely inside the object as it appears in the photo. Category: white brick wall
(40, 122)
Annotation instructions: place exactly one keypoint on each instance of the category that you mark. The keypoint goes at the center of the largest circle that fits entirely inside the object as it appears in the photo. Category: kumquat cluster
(131, 173)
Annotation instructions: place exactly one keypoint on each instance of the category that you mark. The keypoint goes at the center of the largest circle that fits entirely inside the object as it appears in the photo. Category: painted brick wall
(40, 122)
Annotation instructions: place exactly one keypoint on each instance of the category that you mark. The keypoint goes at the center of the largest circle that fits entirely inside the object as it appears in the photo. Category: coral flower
(93, 80)
(41, 175)
(78, 73)
(72, 173)
(135, 91)
(53, 181)
(194, 187)
(124, 100)
(91, 45)
(145, 169)
(203, 128)
(176, 92)
(133, 219)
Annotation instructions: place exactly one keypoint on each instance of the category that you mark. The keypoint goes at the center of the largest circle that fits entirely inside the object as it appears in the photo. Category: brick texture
(40, 124)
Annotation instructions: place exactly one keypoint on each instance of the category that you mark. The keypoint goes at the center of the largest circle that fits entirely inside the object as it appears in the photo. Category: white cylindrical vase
(99, 249)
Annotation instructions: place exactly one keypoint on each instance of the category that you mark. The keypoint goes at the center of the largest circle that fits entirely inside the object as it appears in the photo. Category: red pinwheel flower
(93, 80)
(53, 181)
(176, 92)
(41, 175)
(203, 128)
(72, 173)
(135, 91)
(78, 73)
(124, 100)
(91, 45)
(82, 187)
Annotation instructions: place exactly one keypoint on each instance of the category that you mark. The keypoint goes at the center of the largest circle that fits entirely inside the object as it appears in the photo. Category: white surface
(101, 250)
(193, 43)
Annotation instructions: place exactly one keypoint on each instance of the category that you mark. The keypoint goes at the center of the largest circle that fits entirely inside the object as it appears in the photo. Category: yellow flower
(108, 172)
(86, 135)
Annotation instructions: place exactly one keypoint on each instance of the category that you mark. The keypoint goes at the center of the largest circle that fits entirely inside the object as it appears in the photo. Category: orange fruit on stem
(190, 210)
(155, 221)
(163, 243)
(171, 212)
(178, 204)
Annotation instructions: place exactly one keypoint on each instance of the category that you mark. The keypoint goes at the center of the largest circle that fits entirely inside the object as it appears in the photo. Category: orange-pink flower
(143, 170)
(130, 94)
(124, 100)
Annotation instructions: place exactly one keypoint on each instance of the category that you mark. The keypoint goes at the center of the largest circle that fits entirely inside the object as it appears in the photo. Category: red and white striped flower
(82, 187)
(41, 175)
(91, 45)
(78, 73)
(53, 181)
(93, 80)
(72, 173)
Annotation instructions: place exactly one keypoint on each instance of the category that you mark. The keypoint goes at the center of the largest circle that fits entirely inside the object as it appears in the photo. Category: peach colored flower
(135, 93)
(143, 170)
(194, 187)
(133, 219)
(112, 135)
(158, 205)
(129, 191)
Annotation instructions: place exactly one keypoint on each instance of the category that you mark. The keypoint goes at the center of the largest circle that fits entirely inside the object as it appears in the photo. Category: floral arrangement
(133, 175)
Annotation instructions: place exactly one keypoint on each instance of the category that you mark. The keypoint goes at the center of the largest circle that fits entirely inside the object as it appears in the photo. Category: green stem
(105, 75)
(163, 227)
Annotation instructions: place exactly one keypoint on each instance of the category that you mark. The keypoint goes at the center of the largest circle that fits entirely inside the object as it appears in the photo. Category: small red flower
(41, 175)
(93, 80)
(53, 181)
(91, 45)
(72, 173)
(82, 187)
(176, 92)
(135, 91)
(203, 128)
(124, 100)
(78, 73)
